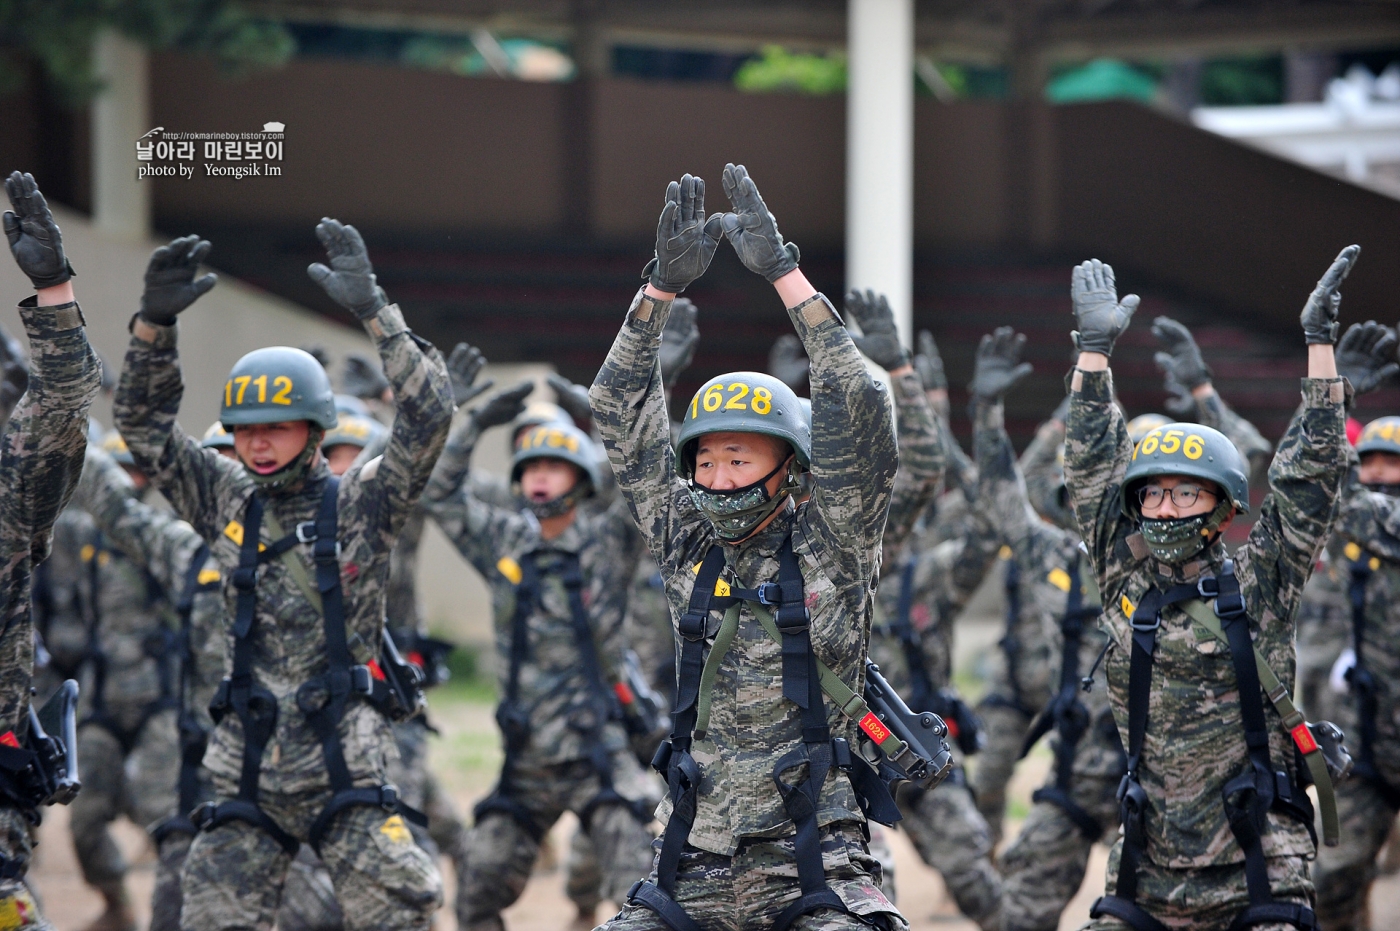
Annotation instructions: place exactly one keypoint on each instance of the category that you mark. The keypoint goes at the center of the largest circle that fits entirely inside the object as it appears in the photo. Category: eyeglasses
(1151, 497)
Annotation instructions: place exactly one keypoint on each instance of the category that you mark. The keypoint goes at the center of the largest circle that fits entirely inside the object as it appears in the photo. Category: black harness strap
(921, 691)
(193, 738)
(1363, 686)
(1066, 713)
(1247, 799)
(1010, 644)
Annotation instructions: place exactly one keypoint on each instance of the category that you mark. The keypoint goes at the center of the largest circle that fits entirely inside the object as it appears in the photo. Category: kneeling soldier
(298, 755)
(1217, 829)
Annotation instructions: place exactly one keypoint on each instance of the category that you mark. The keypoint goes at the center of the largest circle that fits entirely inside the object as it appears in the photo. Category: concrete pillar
(880, 153)
(121, 205)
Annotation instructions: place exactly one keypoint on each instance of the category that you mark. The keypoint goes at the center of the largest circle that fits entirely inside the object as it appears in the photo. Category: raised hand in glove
(349, 281)
(930, 364)
(503, 406)
(1100, 315)
(686, 238)
(363, 378)
(573, 398)
(463, 366)
(788, 362)
(35, 240)
(170, 283)
(999, 367)
(1366, 356)
(752, 230)
(678, 341)
(1321, 312)
(1180, 400)
(1181, 357)
(880, 338)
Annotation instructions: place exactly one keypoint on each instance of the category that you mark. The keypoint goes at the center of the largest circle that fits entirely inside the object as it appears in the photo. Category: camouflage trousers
(1343, 874)
(747, 891)
(1045, 865)
(138, 783)
(1207, 899)
(1005, 728)
(952, 837)
(19, 909)
(500, 851)
(234, 874)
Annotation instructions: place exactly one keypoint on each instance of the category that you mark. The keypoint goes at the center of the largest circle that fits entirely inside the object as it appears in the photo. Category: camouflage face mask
(558, 507)
(1385, 489)
(735, 512)
(1176, 539)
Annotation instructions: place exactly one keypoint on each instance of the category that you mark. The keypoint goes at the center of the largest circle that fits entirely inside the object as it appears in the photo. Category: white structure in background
(1354, 132)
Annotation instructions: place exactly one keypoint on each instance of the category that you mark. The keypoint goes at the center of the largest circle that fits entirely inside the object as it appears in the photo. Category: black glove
(1182, 358)
(1324, 306)
(170, 283)
(572, 398)
(35, 241)
(1099, 313)
(363, 378)
(350, 280)
(685, 239)
(788, 362)
(880, 340)
(503, 406)
(463, 366)
(752, 230)
(320, 354)
(998, 367)
(1179, 400)
(930, 364)
(678, 341)
(1366, 356)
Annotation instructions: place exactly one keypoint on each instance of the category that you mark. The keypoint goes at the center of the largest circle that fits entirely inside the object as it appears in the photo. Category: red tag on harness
(875, 728)
(1303, 737)
(624, 694)
(9, 739)
(374, 669)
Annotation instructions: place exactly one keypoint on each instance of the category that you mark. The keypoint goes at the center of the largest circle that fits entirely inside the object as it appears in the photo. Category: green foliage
(59, 35)
(1101, 79)
(1239, 81)
(779, 70)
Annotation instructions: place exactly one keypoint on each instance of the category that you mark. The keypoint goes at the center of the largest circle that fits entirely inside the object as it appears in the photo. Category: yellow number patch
(1127, 606)
(510, 569)
(208, 576)
(741, 396)
(1059, 578)
(234, 531)
(394, 829)
(1172, 441)
(1352, 551)
(236, 390)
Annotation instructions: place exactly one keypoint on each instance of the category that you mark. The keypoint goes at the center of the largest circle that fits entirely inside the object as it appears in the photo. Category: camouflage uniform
(1367, 525)
(234, 873)
(41, 459)
(1193, 869)
(567, 758)
(128, 744)
(1044, 866)
(738, 868)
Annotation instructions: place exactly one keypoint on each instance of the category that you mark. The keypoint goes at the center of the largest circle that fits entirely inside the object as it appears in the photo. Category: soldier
(762, 828)
(41, 459)
(298, 754)
(559, 576)
(1216, 826)
(1044, 866)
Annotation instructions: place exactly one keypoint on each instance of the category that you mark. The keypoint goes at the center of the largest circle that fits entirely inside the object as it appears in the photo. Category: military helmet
(353, 430)
(349, 404)
(743, 402)
(534, 414)
(277, 384)
(1188, 449)
(115, 446)
(1143, 424)
(556, 441)
(216, 437)
(806, 405)
(1381, 435)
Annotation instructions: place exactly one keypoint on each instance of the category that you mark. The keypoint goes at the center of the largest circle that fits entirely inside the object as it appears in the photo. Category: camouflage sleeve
(1212, 411)
(623, 543)
(153, 538)
(922, 452)
(629, 409)
(482, 532)
(1294, 520)
(854, 454)
(423, 406)
(41, 459)
(1001, 491)
(1097, 453)
(1040, 463)
(198, 482)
